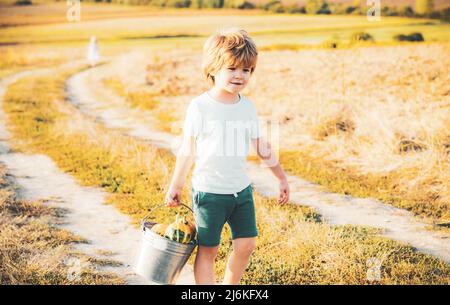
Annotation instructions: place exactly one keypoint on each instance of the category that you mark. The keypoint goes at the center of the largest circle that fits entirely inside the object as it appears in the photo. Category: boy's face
(232, 79)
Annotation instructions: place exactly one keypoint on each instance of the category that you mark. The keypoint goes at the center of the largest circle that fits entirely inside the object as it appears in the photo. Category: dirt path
(87, 93)
(110, 233)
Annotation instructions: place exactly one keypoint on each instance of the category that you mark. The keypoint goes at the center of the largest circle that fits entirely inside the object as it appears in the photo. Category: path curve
(88, 216)
(86, 92)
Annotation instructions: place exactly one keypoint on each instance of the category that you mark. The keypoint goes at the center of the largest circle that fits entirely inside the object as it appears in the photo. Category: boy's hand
(284, 192)
(173, 198)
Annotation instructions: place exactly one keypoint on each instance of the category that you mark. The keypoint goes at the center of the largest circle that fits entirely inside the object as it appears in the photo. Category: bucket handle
(144, 220)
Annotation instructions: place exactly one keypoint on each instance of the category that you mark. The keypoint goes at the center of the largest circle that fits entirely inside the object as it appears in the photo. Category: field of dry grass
(379, 111)
(18, 58)
(34, 251)
(136, 175)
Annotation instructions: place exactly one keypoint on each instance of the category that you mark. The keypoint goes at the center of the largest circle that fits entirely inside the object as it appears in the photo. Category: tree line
(422, 8)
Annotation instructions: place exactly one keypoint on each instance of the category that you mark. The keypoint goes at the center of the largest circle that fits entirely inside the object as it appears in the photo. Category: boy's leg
(239, 258)
(242, 222)
(204, 265)
(211, 212)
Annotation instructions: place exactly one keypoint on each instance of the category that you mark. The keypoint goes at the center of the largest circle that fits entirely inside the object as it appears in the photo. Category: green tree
(424, 7)
(238, 4)
(407, 11)
(178, 3)
(208, 3)
(317, 7)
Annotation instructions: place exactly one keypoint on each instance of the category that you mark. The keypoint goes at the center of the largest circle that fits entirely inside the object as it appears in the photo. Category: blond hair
(230, 47)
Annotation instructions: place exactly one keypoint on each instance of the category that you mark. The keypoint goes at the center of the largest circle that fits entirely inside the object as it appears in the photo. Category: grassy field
(136, 175)
(369, 120)
(34, 251)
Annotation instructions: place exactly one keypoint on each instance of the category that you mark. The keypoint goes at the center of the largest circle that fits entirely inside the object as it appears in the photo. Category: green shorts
(212, 211)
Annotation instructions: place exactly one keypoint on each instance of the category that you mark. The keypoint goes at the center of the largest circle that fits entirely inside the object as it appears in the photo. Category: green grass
(293, 246)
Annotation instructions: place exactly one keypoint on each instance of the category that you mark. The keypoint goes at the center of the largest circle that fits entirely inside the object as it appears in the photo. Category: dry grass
(375, 115)
(143, 100)
(20, 57)
(147, 100)
(137, 175)
(34, 250)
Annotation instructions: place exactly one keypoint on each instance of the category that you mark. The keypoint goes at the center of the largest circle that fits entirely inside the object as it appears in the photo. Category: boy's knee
(244, 247)
(208, 252)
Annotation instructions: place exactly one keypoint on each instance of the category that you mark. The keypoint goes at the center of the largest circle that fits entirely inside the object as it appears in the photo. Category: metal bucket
(160, 259)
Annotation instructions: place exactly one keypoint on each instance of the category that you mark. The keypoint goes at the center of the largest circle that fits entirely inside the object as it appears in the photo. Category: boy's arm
(264, 151)
(185, 159)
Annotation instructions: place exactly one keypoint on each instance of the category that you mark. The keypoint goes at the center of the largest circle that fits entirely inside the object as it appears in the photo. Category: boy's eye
(233, 68)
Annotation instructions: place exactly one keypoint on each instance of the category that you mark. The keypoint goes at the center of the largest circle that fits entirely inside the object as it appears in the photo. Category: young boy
(221, 189)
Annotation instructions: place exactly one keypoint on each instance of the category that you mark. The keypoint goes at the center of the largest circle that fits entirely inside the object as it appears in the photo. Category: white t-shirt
(223, 133)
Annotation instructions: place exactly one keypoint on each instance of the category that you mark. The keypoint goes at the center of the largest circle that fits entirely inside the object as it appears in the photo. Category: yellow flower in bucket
(181, 230)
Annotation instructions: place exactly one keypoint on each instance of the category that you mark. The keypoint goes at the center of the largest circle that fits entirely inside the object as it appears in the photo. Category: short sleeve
(192, 121)
(255, 128)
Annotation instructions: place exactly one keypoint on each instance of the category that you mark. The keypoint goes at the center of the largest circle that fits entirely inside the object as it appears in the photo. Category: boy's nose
(239, 75)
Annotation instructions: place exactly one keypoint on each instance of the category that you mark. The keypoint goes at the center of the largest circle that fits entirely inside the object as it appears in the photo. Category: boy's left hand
(284, 192)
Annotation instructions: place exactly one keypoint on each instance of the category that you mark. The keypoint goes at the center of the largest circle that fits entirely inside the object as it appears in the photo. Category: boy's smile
(229, 81)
